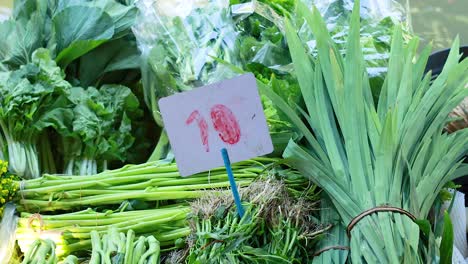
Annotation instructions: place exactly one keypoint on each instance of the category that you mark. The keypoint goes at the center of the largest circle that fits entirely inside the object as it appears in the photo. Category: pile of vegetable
(124, 198)
(71, 232)
(188, 46)
(69, 102)
(276, 227)
(151, 199)
(356, 124)
(115, 247)
(110, 247)
(378, 156)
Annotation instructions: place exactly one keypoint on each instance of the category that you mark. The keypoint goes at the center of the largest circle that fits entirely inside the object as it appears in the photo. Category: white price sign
(205, 120)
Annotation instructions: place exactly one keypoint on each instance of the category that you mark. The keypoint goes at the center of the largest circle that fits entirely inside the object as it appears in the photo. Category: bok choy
(33, 98)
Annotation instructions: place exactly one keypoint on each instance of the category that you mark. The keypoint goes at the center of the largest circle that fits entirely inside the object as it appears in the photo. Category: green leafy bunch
(263, 50)
(100, 49)
(274, 229)
(45, 55)
(180, 51)
(38, 104)
(101, 129)
(33, 98)
(365, 154)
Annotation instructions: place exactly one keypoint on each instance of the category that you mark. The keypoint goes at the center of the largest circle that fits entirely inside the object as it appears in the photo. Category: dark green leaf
(115, 55)
(446, 245)
(424, 226)
(78, 30)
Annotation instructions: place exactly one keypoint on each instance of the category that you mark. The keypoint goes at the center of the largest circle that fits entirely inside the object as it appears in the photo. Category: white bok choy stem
(7, 233)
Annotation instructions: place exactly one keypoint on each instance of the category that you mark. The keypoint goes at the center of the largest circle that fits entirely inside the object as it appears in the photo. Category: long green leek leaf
(366, 154)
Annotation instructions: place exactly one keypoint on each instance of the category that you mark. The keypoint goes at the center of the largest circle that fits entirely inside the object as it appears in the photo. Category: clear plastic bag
(184, 41)
(180, 41)
(378, 18)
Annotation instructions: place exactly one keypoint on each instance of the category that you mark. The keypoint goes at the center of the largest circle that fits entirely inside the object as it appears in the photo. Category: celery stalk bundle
(153, 181)
(72, 232)
(365, 154)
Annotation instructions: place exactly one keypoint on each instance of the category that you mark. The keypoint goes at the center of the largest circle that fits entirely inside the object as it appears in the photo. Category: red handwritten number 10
(224, 122)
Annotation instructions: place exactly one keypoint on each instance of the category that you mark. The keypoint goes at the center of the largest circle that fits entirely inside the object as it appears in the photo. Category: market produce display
(366, 143)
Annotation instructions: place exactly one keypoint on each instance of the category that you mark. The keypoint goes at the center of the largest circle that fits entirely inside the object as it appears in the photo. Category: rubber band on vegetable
(383, 208)
(330, 248)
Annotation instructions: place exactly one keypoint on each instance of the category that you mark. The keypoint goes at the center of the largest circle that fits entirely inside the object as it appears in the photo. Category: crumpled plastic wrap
(186, 44)
(378, 18)
(179, 41)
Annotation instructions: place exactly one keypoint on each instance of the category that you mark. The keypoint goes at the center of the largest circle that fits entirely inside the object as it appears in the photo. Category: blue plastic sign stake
(235, 193)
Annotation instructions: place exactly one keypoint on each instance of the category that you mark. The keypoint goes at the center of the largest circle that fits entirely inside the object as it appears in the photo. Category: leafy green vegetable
(69, 29)
(114, 56)
(264, 52)
(91, 41)
(95, 28)
(179, 50)
(24, 37)
(275, 228)
(33, 98)
(101, 128)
